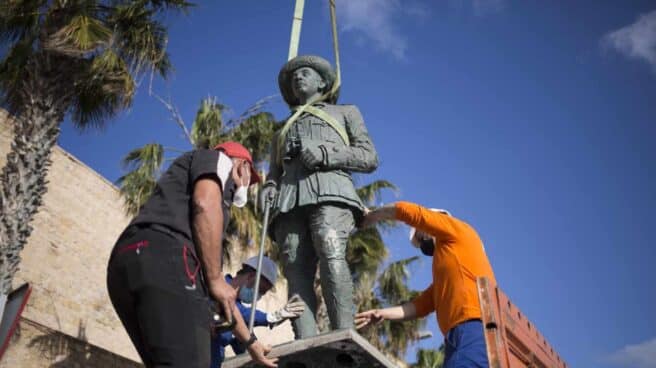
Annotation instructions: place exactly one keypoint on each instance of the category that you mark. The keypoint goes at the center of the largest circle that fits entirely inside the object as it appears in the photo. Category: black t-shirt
(170, 203)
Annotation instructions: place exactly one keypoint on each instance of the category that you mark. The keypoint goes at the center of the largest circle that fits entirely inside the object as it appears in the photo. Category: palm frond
(136, 187)
(256, 133)
(13, 74)
(106, 89)
(140, 39)
(430, 358)
(365, 252)
(371, 193)
(207, 128)
(82, 34)
(138, 184)
(171, 4)
(19, 19)
(400, 334)
(148, 158)
(394, 280)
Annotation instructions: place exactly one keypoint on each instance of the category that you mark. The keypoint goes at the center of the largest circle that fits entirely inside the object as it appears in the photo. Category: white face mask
(224, 169)
(240, 198)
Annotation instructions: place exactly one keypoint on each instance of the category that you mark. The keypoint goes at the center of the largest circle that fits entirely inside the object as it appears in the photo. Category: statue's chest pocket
(319, 130)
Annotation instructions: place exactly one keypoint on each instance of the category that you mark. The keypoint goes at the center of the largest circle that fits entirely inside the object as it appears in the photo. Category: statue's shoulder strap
(330, 120)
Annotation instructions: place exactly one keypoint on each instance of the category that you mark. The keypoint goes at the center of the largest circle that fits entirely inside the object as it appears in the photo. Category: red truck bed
(512, 340)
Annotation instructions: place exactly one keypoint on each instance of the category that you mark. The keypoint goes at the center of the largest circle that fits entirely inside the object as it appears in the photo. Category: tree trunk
(23, 179)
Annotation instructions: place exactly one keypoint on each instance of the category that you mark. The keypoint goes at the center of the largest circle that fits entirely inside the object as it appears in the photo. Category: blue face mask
(246, 294)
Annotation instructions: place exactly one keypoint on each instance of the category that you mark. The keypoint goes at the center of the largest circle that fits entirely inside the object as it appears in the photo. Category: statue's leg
(299, 264)
(331, 226)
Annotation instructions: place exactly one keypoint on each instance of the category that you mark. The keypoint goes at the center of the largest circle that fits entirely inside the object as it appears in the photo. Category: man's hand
(367, 318)
(225, 295)
(312, 156)
(258, 352)
(293, 309)
(371, 217)
(267, 194)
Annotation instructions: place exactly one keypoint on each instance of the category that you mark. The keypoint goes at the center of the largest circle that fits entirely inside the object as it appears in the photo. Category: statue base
(335, 349)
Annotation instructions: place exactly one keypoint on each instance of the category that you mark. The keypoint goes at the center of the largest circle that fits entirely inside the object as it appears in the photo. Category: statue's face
(306, 82)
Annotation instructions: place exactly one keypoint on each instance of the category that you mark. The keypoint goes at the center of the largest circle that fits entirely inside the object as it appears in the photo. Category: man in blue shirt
(244, 283)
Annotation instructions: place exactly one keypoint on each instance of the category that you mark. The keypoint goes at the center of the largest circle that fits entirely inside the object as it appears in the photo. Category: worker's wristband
(250, 341)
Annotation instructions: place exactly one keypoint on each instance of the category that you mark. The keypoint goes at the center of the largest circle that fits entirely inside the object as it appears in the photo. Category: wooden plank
(512, 339)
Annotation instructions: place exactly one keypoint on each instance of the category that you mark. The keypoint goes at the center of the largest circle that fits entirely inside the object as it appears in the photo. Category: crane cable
(293, 50)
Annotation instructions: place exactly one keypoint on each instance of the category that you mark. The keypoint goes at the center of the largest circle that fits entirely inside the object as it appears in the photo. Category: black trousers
(154, 283)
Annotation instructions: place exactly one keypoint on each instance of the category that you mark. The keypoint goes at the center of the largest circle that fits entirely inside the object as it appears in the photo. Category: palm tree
(429, 358)
(79, 58)
(254, 129)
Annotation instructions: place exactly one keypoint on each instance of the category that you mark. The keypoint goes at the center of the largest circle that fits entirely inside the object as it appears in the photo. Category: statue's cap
(321, 65)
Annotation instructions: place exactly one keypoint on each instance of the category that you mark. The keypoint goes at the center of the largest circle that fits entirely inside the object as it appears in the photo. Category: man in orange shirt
(458, 259)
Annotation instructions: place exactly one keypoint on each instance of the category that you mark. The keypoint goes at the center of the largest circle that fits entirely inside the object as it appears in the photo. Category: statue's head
(305, 76)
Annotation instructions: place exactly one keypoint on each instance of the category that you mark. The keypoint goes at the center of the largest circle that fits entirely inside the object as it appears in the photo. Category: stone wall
(65, 261)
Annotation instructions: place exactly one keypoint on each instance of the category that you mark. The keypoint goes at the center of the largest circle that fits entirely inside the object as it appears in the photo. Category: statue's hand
(268, 195)
(312, 156)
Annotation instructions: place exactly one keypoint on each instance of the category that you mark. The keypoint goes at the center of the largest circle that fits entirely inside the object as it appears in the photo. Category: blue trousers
(465, 346)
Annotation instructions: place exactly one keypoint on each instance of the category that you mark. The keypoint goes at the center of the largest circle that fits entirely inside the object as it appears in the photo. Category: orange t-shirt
(459, 258)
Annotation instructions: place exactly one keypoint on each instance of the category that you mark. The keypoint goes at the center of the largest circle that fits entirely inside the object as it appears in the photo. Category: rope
(338, 78)
(296, 29)
(293, 46)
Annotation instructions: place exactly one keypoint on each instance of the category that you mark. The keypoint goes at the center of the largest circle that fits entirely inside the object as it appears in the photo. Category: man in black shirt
(165, 275)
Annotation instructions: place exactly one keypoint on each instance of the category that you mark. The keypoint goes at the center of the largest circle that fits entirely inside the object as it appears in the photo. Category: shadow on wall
(58, 350)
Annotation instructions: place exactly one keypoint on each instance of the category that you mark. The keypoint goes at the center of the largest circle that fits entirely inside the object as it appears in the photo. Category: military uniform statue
(314, 202)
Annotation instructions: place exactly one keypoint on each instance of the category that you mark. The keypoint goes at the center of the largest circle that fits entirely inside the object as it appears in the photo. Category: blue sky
(533, 121)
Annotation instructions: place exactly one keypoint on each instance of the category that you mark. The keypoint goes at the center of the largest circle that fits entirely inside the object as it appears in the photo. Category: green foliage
(138, 184)
(88, 52)
(365, 252)
(393, 290)
(429, 358)
(392, 282)
(207, 129)
(388, 289)
(256, 132)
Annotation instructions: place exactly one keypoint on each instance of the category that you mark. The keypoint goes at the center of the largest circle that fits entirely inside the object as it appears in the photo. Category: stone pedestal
(336, 349)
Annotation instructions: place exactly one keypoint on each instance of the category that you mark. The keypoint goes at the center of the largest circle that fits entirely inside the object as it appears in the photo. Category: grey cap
(269, 269)
(321, 65)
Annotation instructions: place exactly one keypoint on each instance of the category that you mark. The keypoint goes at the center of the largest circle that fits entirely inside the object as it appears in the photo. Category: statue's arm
(275, 169)
(361, 155)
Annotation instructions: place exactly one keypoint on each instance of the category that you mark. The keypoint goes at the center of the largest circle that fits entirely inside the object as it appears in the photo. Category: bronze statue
(314, 202)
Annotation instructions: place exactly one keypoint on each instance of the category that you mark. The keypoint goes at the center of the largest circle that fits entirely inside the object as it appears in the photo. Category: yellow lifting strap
(293, 50)
(296, 29)
(331, 121)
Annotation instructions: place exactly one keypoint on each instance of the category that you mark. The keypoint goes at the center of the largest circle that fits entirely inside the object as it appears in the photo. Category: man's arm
(361, 155)
(420, 307)
(207, 225)
(434, 223)
(260, 316)
(402, 312)
(256, 350)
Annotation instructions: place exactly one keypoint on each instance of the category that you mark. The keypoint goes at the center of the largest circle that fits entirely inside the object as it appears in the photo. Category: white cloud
(376, 21)
(641, 355)
(637, 40)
